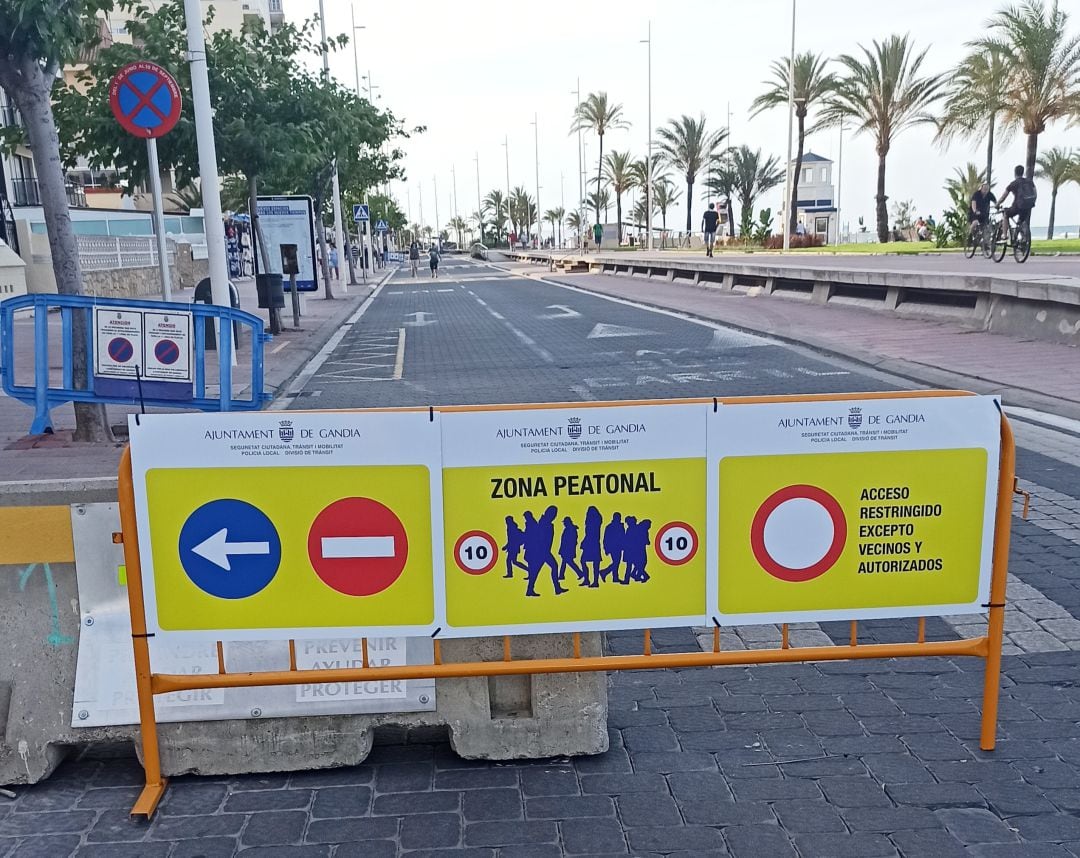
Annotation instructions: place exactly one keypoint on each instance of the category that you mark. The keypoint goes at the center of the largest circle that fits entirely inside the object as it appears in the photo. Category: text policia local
(572, 485)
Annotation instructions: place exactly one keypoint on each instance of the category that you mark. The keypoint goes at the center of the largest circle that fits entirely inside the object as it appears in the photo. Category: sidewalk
(1040, 375)
(56, 457)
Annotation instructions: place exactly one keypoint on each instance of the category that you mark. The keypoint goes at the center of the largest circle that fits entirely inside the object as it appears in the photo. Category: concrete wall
(12, 273)
(488, 718)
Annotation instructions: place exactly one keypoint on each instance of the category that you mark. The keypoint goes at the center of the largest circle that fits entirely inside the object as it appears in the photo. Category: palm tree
(601, 200)
(620, 178)
(560, 214)
(812, 84)
(721, 182)
(1044, 68)
(977, 95)
(598, 115)
(751, 177)
(882, 93)
(495, 206)
(665, 195)
(965, 182)
(520, 215)
(687, 145)
(459, 226)
(573, 221)
(1057, 166)
(555, 218)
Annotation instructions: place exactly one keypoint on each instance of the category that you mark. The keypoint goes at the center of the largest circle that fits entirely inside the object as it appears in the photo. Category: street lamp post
(479, 205)
(338, 234)
(648, 163)
(789, 209)
(536, 145)
(839, 180)
(506, 146)
(438, 232)
(580, 174)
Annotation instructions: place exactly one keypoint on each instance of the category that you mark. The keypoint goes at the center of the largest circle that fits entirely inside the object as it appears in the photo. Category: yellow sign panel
(575, 545)
(822, 532)
(291, 547)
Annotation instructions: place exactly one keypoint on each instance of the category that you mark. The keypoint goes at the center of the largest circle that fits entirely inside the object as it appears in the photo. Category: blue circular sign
(167, 352)
(120, 349)
(229, 549)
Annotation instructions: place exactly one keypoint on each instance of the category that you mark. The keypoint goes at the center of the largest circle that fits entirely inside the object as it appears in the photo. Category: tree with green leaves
(1043, 61)
(978, 89)
(597, 201)
(37, 38)
(665, 195)
(573, 221)
(752, 174)
(1057, 166)
(555, 218)
(458, 225)
(687, 145)
(598, 115)
(495, 206)
(883, 92)
(812, 84)
(620, 178)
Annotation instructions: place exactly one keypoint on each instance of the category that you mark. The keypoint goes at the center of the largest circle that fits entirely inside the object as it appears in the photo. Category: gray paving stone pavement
(858, 758)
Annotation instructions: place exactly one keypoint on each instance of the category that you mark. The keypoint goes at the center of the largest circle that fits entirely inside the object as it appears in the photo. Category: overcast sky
(475, 73)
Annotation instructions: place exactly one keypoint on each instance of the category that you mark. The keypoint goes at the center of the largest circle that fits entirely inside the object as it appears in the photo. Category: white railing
(110, 252)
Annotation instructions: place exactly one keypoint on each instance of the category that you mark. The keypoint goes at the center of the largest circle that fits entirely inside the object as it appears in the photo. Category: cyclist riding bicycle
(1024, 194)
(979, 210)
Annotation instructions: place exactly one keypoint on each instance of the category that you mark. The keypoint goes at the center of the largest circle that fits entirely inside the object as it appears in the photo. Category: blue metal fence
(78, 311)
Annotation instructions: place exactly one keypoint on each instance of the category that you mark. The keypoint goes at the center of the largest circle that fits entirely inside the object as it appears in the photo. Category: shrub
(776, 242)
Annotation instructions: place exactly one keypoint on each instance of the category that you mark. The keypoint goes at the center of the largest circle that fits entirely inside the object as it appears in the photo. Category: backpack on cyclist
(1027, 194)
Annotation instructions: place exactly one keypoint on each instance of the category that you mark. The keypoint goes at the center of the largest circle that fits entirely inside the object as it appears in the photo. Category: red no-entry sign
(145, 99)
(357, 546)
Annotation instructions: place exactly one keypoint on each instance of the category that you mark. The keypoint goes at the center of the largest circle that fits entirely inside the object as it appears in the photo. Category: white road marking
(278, 348)
(498, 316)
(420, 319)
(601, 331)
(353, 547)
(1055, 420)
(564, 312)
(399, 360)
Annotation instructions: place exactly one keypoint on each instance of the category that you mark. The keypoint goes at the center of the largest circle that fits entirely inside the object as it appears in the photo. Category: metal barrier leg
(42, 421)
(996, 627)
(154, 789)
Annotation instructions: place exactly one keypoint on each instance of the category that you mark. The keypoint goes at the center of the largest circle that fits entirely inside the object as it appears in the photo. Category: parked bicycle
(1018, 238)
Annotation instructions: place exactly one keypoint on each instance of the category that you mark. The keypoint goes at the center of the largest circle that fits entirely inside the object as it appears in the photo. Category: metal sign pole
(159, 218)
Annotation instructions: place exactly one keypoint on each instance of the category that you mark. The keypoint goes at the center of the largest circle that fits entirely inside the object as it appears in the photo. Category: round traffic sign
(229, 549)
(676, 543)
(145, 99)
(357, 546)
(476, 552)
(167, 352)
(798, 533)
(120, 349)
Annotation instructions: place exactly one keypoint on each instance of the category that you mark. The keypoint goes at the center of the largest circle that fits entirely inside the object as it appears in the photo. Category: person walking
(335, 263)
(433, 260)
(414, 256)
(709, 222)
(598, 234)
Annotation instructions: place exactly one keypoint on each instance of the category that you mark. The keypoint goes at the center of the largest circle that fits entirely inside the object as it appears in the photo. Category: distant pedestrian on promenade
(335, 270)
(709, 222)
(414, 256)
(433, 260)
(598, 233)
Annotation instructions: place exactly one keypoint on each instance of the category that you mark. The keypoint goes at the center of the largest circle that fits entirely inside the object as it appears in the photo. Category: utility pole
(479, 205)
(506, 146)
(789, 209)
(536, 143)
(438, 232)
(204, 134)
(361, 227)
(336, 187)
(648, 163)
(839, 180)
(580, 174)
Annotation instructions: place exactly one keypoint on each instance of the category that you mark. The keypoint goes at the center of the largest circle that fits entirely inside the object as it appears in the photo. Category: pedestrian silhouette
(590, 546)
(539, 536)
(614, 544)
(568, 549)
(515, 541)
(637, 546)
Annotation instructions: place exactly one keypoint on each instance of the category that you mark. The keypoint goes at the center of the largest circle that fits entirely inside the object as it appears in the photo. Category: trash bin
(203, 295)
(270, 290)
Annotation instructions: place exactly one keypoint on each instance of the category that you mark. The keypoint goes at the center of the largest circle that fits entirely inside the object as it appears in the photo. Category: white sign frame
(289, 219)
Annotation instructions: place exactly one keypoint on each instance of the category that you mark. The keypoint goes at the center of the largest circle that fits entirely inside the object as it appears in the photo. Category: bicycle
(978, 238)
(1018, 238)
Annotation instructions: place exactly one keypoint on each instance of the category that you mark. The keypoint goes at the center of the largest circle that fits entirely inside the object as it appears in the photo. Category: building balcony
(26, 192)
(10, 116)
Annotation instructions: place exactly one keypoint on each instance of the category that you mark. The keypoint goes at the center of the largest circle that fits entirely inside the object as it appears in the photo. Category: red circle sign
(357, 546)
(145, 99)
(476, 552)
(676, 543)
(821, 565)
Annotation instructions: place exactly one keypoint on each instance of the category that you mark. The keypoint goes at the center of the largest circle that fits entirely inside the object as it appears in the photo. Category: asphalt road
(480, 335)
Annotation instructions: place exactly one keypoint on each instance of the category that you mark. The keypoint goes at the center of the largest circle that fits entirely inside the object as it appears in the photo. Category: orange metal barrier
(987, 647)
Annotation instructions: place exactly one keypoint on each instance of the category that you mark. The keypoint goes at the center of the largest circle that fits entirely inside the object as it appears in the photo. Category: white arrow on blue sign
(360, 212)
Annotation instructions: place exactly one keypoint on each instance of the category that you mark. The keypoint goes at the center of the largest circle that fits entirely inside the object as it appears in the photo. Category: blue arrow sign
(381, 226)
(229, 549)
(360, 212)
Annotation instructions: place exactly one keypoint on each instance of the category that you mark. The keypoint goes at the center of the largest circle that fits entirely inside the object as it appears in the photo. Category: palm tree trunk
(793, 213)
(1053, 212)
(689, 202)
(990, 151)
(599, 176)
(1032, 154)
(882, 201)
(29, 87)
(618, 215)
